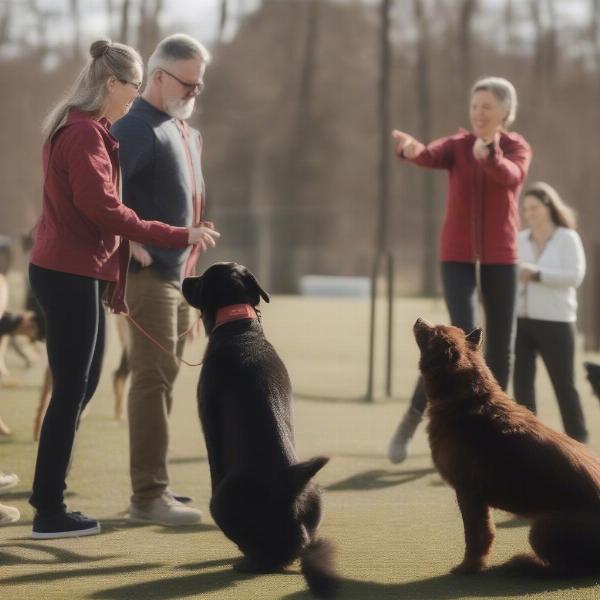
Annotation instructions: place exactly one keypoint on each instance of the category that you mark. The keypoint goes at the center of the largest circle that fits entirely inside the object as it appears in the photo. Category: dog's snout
(421, 323)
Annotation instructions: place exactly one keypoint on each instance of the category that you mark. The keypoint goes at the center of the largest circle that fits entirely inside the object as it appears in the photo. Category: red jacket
(82, 214)
(482, 209)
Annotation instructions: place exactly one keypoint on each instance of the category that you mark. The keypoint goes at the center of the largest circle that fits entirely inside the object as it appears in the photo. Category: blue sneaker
(63, 525)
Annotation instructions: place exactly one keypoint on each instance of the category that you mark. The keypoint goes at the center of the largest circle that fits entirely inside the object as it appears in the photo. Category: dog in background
(263, 498)
(497, 454)
(593, 376)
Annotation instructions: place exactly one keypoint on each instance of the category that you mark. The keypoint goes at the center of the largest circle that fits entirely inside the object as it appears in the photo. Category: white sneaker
(7, 481)
(165, 510)
(398, 447)
(9, 514)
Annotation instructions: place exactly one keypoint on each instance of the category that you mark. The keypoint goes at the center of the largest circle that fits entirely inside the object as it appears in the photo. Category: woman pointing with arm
(478, 244)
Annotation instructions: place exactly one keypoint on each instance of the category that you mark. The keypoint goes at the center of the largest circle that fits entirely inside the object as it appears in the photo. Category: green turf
(397, 528)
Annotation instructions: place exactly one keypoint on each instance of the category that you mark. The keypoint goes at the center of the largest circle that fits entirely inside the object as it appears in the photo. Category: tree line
(292, 114)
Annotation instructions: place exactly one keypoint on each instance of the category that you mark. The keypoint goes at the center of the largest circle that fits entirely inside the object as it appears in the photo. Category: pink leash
(157, 343)
(234, 312)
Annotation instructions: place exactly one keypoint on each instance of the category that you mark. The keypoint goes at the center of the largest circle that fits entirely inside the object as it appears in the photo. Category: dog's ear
(475, 337)
(297, 476)
(249, 276)
(191, 288)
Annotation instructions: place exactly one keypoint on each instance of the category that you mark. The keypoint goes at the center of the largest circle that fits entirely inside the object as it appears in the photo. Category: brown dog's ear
(191, 288)
(250, 276)
(475, 337)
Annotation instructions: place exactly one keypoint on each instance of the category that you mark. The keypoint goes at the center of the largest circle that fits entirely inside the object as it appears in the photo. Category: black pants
(75, 343)
(555, 343)
(498, 292)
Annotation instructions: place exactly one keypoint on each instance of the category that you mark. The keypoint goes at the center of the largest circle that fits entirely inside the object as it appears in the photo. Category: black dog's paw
(593, 376)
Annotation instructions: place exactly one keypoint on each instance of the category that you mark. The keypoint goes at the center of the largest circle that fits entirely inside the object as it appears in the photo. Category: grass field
(397, 528)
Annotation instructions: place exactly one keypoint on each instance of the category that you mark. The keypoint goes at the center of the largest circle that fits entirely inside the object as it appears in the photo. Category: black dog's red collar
(234, 312)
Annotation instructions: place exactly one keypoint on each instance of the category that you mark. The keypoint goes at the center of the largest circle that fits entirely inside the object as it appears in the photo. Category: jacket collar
(78, 116)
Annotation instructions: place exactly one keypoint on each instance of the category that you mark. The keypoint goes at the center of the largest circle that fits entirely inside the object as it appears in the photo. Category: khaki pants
(158, 306)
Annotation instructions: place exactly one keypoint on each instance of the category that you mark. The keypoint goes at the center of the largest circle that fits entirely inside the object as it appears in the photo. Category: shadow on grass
(207, 564)
(55, 554)
(378, 479)
(187, 460)
(379, 455)
(25, 494)
(496, 582)
(200, 527)
(175, 587)
(335, 399)
(438, 482)
(20, 495)
(122, 523)
(513, 523)
(49, 576)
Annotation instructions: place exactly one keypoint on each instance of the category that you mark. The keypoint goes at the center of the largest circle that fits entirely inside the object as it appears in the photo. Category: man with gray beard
(162, 181)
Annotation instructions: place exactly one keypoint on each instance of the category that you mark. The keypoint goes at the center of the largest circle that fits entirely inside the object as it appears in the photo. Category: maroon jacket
(82, 214)
(482, 209)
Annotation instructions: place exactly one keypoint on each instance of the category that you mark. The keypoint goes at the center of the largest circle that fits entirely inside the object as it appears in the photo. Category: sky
(200, 17)
(197, 17)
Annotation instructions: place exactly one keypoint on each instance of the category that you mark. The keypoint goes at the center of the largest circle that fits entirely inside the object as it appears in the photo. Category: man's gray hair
(178, 46)
(504, 91)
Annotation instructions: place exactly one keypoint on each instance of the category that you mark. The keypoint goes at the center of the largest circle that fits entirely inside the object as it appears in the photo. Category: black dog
(593, 376)
(262, 497)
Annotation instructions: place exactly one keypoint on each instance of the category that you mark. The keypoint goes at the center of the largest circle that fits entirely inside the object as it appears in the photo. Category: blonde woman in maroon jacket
(81, 252)
(486, 169)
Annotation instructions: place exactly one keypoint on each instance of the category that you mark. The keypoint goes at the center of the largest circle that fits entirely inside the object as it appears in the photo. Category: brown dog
(497, 454)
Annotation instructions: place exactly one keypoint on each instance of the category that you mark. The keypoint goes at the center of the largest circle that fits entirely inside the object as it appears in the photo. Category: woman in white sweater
(551, 267)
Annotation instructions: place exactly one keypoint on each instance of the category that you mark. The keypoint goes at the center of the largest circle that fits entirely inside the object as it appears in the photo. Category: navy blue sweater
(156, 180)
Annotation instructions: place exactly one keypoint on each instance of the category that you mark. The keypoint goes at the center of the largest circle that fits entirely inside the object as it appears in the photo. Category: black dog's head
(221, 285)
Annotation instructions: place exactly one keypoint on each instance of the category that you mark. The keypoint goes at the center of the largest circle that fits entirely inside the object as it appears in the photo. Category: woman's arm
(90, 175)
(572, 267)
(436, 155)
(510, 167)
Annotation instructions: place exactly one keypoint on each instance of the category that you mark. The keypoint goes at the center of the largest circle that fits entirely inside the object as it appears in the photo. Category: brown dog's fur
(497, 454)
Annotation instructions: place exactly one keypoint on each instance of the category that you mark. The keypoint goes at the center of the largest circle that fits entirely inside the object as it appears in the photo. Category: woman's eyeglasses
(137, 85)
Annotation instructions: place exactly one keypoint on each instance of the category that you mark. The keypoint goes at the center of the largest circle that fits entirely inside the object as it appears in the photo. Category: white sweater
(562, 268)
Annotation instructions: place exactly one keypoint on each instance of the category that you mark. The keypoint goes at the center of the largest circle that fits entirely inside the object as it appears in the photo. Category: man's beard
(180, 108)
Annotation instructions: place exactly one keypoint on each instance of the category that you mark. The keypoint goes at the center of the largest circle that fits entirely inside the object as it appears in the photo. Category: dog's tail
(528, 565)
(318, 567)
(565, 545)
(531, 565)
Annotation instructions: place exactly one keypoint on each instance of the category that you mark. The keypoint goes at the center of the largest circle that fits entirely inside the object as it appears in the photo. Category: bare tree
(383, 112)
(40, 22)
(5, 19)
(76, 16)
(223, 13)
(124, 30)
(284, 265)
(551, 42)
(424, 115)
(545, 58)
(110, 13)
(149, 26)
(509, 23)
(468, 9)
(382, 242)
(595, 30)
